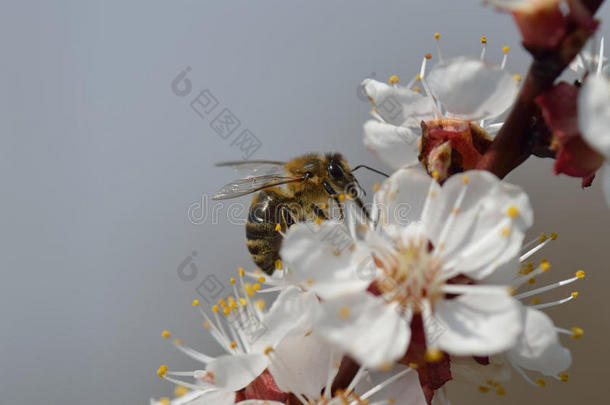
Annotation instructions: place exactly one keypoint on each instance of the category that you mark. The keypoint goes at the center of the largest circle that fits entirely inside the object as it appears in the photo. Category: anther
(162, 371)
(178, 342)
(278, 264)
(394, 79)
(436, 175)
(241, 271)
(545, 265)
(483, 40)
(501, 391)
(268, 350)
(215, 308)
(483, 389)
(164, 400)
(517, 78)
(505, 49)
(344, 313)
(564, 377)
(465, 179)
(232, 280)
(580, 274)
(195, 302)
(342, 197)
(541, 382)
(512, 211)
(166, 334)
(577, 332)
(437, 36)
(375, 188)
(278, 227)
(433, 355)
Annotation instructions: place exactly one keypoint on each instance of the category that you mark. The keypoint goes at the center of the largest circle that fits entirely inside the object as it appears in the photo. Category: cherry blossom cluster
(438, 284)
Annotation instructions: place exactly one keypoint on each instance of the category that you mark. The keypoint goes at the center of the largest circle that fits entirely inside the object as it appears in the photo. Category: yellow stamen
(278, 264)
(341, 197)
(553, 236)
(215, 308)
(207, 325)
(418, 77)
(512, 211)
(233, 344)
(541, 382)
(178, 342)
(261, 279)
(436, 175)
(433, 355)
(517, 77)
(180, 391)
(505, 49)
(564, 377)
(232, 280)
(195, 302)
(483, 40)
(437, 36)
(580, 274)
(166, 334)
(545, 265)
(344, 312)
(226, 311)
(278, 227)
(501, 391)
(483, 389)
(535, 301)
(574, 294)
(465, 179)
(243, 302)
(260, 304)
(394, 79)
(164, 401)
(542, 237)
(241, 271)
(268, 350)
(256, 287)
(414, 366)
(222, 303)
(428, 56)
(162, 371)
(577, 332)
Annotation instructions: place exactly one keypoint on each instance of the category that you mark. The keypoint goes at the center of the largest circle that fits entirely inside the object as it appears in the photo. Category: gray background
(100, 161)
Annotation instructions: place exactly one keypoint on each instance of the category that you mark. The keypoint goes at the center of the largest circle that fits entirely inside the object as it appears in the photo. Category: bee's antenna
(371, 169)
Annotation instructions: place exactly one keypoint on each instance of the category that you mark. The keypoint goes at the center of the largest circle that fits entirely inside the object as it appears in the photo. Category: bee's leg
(359, 203)
(286, 218)
(318, 212)
(331, 191)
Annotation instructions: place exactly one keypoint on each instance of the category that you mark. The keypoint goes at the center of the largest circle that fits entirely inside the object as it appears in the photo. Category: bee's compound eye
(308, 175)
(335, 171)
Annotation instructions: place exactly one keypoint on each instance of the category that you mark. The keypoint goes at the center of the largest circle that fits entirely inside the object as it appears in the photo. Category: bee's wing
(255, 167)
(249, 185)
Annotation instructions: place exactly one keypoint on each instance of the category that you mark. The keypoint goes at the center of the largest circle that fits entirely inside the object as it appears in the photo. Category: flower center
(411, 275)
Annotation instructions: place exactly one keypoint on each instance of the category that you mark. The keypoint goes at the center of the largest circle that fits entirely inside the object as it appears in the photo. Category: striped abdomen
(262, 239)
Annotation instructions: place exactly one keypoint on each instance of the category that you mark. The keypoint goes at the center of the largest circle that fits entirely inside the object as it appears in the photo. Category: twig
(515, 141)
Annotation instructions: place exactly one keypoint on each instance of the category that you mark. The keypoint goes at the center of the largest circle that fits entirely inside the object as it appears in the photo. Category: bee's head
(340, 176)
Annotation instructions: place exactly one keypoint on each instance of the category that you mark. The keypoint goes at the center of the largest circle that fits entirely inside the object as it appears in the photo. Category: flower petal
(303, 365)
(324, 258)
(292, 312)
(472, 89)
(365, 327)
(398, 105)
(401, 198)
(594, 113)
(478, 324)
(477, 223)
(234, 372)
(405, 390)
(395, 146)
(538, 347)
(213, 397)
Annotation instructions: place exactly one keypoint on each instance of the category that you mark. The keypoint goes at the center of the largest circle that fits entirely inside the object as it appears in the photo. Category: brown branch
(516, 141)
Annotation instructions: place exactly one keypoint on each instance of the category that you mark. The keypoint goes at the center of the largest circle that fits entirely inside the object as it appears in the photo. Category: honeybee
(311, 183)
